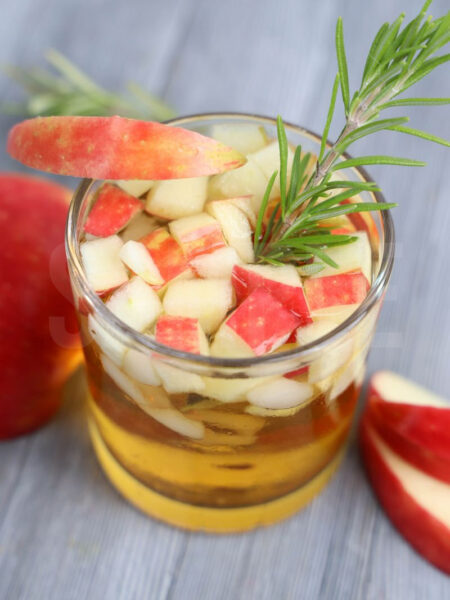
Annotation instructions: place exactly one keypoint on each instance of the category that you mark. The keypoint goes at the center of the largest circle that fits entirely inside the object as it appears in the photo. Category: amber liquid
(243, 462)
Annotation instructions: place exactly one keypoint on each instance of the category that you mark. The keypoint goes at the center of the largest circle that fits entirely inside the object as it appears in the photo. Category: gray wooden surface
(64, 532)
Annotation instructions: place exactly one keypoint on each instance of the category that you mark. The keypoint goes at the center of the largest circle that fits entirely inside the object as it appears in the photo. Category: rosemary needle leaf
(283, 147)
(416, 102)
(342, 64)
(422, 134)
(377, 160)
(329, 117)
(262, 212)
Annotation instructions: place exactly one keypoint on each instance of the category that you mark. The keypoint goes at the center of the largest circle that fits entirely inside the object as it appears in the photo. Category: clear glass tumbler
(210, 460)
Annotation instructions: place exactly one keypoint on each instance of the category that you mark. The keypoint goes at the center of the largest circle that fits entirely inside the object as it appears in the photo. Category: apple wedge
(235, 227)
(167, 255)
(283, 283)
(102, 265)
(207, 300)
(259, 325)
(117, 148)
(177, 198)
(417, 504)
(136, 304)
(198, 234)
(248, 180)
(113, 209)
(181, 333)
(280, 393)
(216, 265)
(139, 260)
(336, 290)
(139, 366)
(414, 422)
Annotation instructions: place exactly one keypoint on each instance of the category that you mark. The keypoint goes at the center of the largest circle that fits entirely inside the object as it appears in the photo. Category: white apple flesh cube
(350, 257)
(246, 180)
(244, 138)
(232, 390)
(136, 304)
(138, 227)
(176, 198)
(138, 259)
(198, 234)
(268, 160)
(177, 422)
(280, 393)
(244, 203)
(135, 187)
(178, 381)
(181, 333)
(102, 265)
(235, 227)
(207, 300)
(122, 381)
(216, 265)
(107, 342)
(139, 366)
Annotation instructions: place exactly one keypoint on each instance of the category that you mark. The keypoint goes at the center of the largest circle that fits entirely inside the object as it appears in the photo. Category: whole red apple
(39, 345)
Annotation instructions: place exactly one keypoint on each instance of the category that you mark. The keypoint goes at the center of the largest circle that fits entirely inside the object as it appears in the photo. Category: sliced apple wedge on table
(117, 148)
(405, 445)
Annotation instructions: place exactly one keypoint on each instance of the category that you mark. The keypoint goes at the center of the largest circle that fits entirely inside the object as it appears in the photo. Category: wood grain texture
(65, 534)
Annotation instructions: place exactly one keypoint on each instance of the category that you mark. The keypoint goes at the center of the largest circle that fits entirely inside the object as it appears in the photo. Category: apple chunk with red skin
(117, 148)
(112, 211)
(336, 290)
(181, 333)
(282, 282)
(259, 325)
(167, 255)
(417, 504)
(39, 345)
(414, 422)
(198, 234)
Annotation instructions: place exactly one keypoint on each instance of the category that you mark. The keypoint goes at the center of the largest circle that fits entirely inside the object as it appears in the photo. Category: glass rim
(141, 339)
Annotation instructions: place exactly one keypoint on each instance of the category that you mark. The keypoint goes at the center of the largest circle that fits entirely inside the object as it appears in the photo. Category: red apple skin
(293, 298)
(117, 148)
(336, 290)
(180, 333)
(112, 210)
(166, 253)
(429, 536)
(39, 345)
(204, 240)
(262, 321)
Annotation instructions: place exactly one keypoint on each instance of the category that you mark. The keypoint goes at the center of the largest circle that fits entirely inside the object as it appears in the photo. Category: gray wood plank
(64, 532)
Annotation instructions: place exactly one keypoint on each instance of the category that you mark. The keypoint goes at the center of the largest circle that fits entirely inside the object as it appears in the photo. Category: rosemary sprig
(397, 59)
(68, 91)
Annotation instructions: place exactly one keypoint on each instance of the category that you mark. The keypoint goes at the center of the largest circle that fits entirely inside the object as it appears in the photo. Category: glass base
(201, 518)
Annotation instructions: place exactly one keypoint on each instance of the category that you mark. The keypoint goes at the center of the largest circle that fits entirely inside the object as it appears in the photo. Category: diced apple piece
(197, 235)
(244, 137)
(282, 282)
(134, 149)
(338, 313)
(178, 381)
(102, 265)
(207, 300)
(135, 187)
(113, 209)
(235, 227)
(228, 344)
(332, 358)
(262, 322)
(216, 265)
(413, 421)
(138, 259)
(126, 384)
(244, 203)
(167, 255)
(341, 222)
(356, 256)
(136, 304)
(417, 504)
(181, 333)
(353, 373)
(231, 390)
(139, 366)
(334, 290)
(280, 393)
(140, 226)
(106, 341)
(247, 180)
(177, 422)
(268, 160)
(177, 198)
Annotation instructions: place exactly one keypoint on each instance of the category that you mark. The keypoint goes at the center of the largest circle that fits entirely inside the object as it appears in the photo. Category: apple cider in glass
(221, 391)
